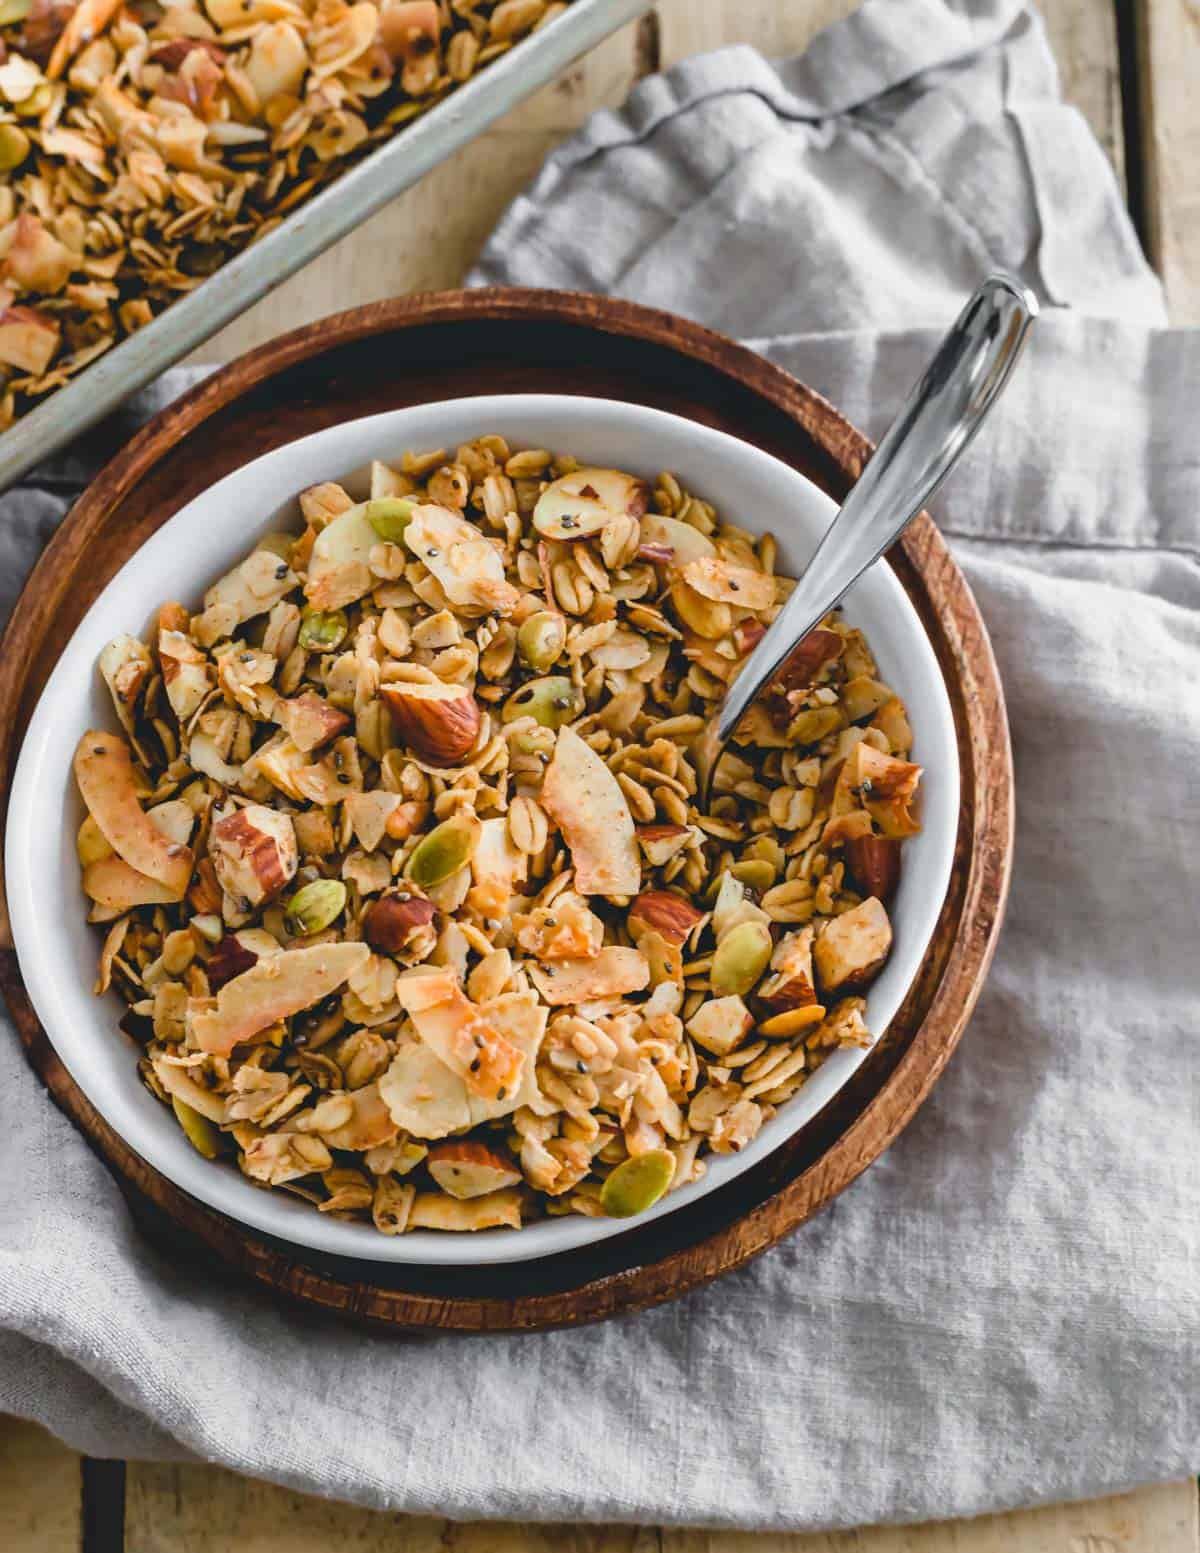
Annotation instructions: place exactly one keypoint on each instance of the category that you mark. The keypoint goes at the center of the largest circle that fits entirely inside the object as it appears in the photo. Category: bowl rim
(250, 1205)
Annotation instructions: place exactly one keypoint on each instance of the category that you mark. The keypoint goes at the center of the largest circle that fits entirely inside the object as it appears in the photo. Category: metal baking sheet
(320, 222)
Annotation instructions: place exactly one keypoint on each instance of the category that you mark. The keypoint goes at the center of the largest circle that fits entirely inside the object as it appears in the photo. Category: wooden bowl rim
(289, 1269)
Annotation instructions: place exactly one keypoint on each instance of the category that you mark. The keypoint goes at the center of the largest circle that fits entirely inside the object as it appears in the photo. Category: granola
(399, 861)
(143, 144)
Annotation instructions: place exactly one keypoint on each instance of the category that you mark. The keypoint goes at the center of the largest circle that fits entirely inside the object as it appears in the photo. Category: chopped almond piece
(28, 339)
(852, 948)
(790, 984)
(254, 853)
(310, 720)
(721, 1024)
(187, 677)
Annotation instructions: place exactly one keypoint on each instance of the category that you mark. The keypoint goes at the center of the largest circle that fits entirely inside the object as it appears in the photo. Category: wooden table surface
(1131, 68)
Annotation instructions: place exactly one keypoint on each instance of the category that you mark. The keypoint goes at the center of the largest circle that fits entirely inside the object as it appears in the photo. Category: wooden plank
(1169, 68)
(686, 28)
(39, 1491)
(199, 1509)
(430, 235)
(1160, 1519)
(1083, 34)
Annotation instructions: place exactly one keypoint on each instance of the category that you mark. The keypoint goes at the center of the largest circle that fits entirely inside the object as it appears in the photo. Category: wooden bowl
(456, 344)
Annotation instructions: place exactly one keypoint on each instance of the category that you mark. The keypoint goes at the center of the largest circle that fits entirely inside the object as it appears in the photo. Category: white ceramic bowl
(58, 949)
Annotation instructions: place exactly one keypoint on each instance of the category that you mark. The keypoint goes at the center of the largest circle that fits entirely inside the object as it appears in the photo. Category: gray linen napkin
(1006, 1308)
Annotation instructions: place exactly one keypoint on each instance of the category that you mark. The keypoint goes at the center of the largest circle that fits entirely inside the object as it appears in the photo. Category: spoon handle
(939, 418)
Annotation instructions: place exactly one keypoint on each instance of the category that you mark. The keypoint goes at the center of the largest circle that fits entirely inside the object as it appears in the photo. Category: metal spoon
(939, 418)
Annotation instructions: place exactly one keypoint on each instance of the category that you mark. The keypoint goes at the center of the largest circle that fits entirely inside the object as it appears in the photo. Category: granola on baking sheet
(145, 143)
(402, 875)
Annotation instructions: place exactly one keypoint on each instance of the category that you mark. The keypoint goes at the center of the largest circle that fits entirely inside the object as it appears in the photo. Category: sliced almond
(585, 501)
(684, 542)
(466, 1168)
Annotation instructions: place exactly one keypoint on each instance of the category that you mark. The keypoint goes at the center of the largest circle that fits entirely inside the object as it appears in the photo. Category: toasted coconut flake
(108, 784)
(583, 797)
(721, 580)
(271, 990)
(612, 973)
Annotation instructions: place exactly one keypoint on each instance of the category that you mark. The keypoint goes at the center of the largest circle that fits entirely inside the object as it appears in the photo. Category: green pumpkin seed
(388, 516)
(204, 1136)
(315, 907)
(740, 959)
(323, 631)
(541, 639)
(637, 1183)
(14, 147)
(552, 702)
(447, 848)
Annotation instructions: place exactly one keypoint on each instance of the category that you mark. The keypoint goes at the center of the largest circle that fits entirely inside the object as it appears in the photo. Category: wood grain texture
(207, 1510)
(1169, 67)
(439, 346)
(39, 1491)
